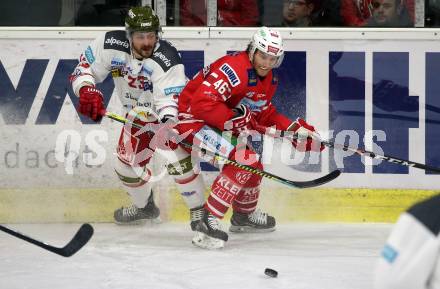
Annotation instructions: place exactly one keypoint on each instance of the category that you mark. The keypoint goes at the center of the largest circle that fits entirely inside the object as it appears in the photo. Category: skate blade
(205, 242)
(141, 222)
(248, 229)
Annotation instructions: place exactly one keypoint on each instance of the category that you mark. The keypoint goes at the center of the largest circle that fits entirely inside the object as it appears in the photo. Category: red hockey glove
(307, 136)
(243, 120)
(91, 103)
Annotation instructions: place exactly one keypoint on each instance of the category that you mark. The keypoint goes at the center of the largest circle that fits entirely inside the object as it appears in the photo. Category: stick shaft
(306, 184)
(363, 152)
(387, 158)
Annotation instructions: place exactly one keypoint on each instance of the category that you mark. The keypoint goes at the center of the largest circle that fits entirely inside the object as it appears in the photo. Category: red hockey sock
(229, 184)
(246, 201)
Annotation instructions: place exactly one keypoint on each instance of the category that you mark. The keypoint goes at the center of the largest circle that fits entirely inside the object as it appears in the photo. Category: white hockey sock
(192, 189)
(189, 183)
(135, 182)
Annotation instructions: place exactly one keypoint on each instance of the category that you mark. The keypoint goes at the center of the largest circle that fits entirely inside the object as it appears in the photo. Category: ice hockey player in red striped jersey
(233, 95)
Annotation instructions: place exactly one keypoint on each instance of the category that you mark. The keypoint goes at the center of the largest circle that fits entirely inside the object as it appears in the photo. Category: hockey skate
(133, 215)
(255, 222)
(209, 234)
(196, 214)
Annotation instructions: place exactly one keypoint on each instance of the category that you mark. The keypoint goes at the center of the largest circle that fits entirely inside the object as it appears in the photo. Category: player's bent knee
(181, 169)
(132, 176)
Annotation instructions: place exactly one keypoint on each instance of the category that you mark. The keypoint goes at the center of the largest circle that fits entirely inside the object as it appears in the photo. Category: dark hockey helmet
(142, 19)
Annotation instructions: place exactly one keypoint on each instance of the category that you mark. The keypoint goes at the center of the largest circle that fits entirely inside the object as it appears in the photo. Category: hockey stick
(370, 154)
(307, 184)
(78, 241)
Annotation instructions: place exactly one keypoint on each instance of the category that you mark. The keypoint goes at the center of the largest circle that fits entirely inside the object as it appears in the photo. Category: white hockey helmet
(268, 41)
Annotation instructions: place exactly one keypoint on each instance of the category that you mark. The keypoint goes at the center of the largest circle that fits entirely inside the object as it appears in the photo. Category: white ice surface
(312, 256)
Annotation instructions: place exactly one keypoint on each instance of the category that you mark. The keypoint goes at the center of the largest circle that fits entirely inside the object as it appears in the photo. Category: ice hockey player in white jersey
(411, 255)
(148, 75)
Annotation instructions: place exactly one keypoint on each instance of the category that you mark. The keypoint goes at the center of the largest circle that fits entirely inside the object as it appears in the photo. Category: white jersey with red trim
(152, 83)
(411, 255)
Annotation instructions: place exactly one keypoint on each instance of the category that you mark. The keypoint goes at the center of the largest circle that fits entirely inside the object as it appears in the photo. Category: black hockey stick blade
(78, 241)
(296, 184)
(316, 182)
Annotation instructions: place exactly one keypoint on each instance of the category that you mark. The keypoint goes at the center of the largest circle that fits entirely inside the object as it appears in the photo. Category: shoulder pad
(117, 40)
(428, 213)
(166, 55)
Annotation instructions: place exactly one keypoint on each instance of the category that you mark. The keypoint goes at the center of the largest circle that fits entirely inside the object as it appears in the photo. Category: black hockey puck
(271, 272)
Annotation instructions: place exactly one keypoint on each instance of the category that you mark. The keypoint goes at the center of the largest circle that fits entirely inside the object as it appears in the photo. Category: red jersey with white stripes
(225, 84)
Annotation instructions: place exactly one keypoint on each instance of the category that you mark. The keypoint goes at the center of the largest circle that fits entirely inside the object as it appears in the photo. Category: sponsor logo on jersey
(89, 55)
(182, 167)
(254, 105)
(113, 41)
(251, 191)
(76, 72)
(187, 194)
(138, 105)
(250, 195)
(252, 77)
(243, 177)
(147, 84)
(129, 69)
(229, 185)
(173, 90)
(116, 72)
(117, 68)
(147, 70)
(162, 57)
(143, 104)
(208, 139)
(130, 96)
(205, 71)
(230, 74)
(389, 253)
(250, 94)
(117, 62)
(274, 34)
